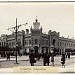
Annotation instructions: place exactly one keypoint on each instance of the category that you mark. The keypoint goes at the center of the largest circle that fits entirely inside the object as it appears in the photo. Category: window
(60, 43)
(25, 42)
(35, 41)
(42, 41)
(46, 42)
(9, 43)
(65, 44)
(69, 44)
(2, 43)
(29, 41)
(12, 43)
(74, 45)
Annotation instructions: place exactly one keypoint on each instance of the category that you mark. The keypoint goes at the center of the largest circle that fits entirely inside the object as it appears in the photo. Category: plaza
(24, 61)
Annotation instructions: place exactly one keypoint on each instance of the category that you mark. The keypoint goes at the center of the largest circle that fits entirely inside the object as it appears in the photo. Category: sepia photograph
(37, 37)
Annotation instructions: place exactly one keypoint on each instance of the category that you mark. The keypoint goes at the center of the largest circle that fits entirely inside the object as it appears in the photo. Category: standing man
(8, 55)
(32, 58)
(66, 54)
(46, 57)
(52, 56)
(63, 59)
(69, 55)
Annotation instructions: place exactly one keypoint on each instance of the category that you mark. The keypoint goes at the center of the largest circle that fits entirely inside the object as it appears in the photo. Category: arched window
(60, 43)
(25, 42)
(46, 42)
(53, 42)
(65, 44)
(29, 41)
(74, 45)
(35, 41)
(2, 44)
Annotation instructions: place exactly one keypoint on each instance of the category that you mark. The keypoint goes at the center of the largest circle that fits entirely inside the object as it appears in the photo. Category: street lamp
(16, 29)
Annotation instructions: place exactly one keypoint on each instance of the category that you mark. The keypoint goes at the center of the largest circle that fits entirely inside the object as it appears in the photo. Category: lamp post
(16, 30)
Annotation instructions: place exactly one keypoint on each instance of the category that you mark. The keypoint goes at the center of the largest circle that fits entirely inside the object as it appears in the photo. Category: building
(37, 40)
(66, 43)
(10, 41)
(40, 41)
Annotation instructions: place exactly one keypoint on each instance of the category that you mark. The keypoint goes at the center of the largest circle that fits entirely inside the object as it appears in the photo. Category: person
(32, 57)
(8, 55)
(66, 54)
(46, 57)
(52, 58)
(69, 55)
(63, 59)
(52, 54)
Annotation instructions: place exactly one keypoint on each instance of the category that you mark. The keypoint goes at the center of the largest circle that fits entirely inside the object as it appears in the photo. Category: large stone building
(38, 40)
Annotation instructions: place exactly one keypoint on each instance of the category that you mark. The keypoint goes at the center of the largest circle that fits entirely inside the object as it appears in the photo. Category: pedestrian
(8, 55)
(46, 57)
(63, 60)
(52, 58)
(32, 57)
(69, 55)
(66, 55)
(52, 54)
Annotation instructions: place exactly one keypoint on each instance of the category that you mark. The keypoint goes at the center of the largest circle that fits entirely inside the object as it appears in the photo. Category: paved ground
(24, 61)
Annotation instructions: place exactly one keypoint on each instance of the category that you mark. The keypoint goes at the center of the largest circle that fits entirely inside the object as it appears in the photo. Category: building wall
(66, 43)
(3, 40)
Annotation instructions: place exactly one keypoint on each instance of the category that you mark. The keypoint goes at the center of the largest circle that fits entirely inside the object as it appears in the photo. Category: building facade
(37, 40)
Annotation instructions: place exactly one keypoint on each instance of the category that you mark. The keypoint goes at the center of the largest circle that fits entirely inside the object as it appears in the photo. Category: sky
(52, 16)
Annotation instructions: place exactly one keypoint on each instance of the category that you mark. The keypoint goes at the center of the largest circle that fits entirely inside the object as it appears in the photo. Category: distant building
(37, 40)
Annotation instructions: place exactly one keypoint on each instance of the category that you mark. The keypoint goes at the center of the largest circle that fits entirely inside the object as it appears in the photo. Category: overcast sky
(52, 16)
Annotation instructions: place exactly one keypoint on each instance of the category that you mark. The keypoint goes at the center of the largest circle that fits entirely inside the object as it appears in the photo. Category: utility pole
(16, 31)
(16, 41)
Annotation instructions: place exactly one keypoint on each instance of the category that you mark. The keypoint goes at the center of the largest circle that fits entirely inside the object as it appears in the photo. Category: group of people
(68, 55)
(45, 57)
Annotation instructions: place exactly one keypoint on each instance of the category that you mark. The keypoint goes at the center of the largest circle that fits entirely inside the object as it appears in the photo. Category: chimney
(27, 31)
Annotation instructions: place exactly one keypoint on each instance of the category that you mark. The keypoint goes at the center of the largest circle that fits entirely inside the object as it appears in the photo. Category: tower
(36, 24)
